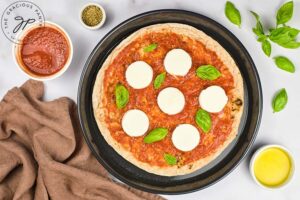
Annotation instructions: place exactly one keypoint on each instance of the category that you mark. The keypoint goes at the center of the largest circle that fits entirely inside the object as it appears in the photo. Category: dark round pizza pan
(214, 171)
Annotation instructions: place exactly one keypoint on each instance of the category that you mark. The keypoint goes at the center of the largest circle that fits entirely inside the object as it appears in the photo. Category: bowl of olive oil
(272, 166)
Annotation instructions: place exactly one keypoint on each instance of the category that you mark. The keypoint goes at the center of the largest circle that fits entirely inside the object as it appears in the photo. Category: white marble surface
(281, 128)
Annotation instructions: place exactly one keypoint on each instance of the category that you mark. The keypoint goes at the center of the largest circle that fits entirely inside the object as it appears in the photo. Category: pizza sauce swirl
(146, 99)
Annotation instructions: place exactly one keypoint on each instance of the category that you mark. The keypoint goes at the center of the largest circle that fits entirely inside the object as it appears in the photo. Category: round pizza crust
(99, 100)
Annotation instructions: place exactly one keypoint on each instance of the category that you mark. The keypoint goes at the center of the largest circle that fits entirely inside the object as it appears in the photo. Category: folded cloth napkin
(43, 154)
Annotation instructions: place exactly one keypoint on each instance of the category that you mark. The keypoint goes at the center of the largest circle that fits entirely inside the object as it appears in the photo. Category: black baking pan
(214, 171)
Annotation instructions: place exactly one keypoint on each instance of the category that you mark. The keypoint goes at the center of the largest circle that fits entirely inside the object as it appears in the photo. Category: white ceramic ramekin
(17, 58)
(257, 153)
(103, 16)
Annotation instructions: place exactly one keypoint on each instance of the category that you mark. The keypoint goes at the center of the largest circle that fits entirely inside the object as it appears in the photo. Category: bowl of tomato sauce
(44, 52)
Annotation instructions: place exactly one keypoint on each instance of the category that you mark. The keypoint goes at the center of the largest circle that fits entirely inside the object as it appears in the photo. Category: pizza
(168, 99)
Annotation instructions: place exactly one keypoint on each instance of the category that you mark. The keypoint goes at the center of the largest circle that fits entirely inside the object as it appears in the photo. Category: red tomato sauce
(44, 51)
(146, 99)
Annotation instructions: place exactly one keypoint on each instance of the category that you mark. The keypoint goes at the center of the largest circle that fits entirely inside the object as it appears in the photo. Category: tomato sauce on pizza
(145, 99)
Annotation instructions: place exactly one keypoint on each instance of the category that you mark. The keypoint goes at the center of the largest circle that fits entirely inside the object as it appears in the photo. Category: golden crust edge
(210, 44)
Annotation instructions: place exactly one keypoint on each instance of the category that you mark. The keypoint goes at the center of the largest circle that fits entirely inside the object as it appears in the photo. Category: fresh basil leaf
(271, 29)
(208, 72)
(170, 159)
(122, 96)
(266, 47)
(283, 32)
(285, 36)
(203, 120)
(284, 64)
(285, 13)
(262, 38)
(291, 45)
(258, 30)
(150, 47)
(280, 100)
(156, 135)
(233, 14)
(159, 80)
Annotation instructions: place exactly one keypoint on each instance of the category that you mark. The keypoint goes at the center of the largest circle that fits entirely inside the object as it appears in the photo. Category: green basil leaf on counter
(258, 30)
(122, 96)
(203, 120)
(271, 29)
(150, 47)
(266, 47)
(285, 36)
(156, 135)
(262, 38)
(285, 13)
(280, 100)
(170, 159)
(291, 45)
(233, 14)
(284, 64)
(208, 72)
(158, 81)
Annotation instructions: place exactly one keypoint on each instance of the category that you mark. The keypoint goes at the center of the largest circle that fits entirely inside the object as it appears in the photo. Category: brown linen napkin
(43, 154)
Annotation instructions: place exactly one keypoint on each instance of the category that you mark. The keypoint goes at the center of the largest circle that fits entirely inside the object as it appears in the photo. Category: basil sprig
(282, 35)
(122, 96)
(280, 100)
(259, 32)
(285, 13)
(233, 14)
(156, 135)
(208, 72)
(285, 64)
(150, 47)
(170, 159)
(203, 120)
(266, 47)
(159, 80)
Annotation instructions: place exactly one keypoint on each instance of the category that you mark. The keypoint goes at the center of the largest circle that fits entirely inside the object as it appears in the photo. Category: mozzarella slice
(135, 123)
(213, 99)
(139, 74)
(171, 100)
(185, 137)
(178, 62)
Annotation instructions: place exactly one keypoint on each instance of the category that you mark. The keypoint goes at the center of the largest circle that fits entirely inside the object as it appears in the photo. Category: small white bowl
(16, 49)
(101, 22)
(258, 152)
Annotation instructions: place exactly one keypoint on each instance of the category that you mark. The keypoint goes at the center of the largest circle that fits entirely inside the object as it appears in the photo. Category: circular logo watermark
(17, 16)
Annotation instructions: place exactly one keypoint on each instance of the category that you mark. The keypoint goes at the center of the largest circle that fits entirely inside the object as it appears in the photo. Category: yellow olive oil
(272, 167)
